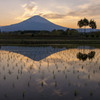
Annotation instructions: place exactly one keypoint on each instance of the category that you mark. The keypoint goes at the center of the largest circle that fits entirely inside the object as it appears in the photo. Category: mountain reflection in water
(59, 76)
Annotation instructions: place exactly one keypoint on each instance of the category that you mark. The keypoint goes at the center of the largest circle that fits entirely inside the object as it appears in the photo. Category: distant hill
(88, 30)
(34, 23)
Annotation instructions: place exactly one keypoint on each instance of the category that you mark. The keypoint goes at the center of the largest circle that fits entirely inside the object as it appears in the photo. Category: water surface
(46, 73)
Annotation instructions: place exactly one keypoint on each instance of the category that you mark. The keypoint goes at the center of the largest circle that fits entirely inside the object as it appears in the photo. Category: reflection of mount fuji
(38, 53)
(35, 53)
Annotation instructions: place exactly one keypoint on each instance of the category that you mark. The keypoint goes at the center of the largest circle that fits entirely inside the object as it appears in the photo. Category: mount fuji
(36, 23)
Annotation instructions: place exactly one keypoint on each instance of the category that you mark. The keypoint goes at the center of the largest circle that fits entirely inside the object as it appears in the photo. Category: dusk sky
(62, 12)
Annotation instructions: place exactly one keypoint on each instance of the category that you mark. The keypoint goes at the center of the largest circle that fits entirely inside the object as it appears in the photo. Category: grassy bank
(39, 41)
(68, 46)
(30, 39)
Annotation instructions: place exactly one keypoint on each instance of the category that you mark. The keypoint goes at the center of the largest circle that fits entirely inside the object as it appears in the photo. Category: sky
(62, 12)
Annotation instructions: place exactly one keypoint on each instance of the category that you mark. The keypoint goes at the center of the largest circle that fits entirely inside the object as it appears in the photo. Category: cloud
(87, 10)
(30, 7)
(29, 10)
(61, 14)
(54, 15)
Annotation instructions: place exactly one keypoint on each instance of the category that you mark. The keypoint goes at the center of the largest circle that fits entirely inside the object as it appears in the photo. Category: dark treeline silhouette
(55, 33)
(44, 32)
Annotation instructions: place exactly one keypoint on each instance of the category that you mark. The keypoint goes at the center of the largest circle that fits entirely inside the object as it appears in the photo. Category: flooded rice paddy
(47, 73)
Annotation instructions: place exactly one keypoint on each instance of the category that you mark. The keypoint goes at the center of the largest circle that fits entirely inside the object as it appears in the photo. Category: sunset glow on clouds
(62, 12)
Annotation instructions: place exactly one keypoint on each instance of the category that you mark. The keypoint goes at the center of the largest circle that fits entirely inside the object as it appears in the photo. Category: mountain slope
(33, 23)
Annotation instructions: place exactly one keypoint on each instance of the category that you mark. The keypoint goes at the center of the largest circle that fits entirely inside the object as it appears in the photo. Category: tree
(92, 24)
(80, 23)
(85, 24)
(0, 30)
(73, 32)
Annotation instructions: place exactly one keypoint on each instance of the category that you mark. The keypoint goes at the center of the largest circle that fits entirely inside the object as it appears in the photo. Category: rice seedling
(75, 93)
(5, 95)
(4, 77)
(91, 93)
(23, 94)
